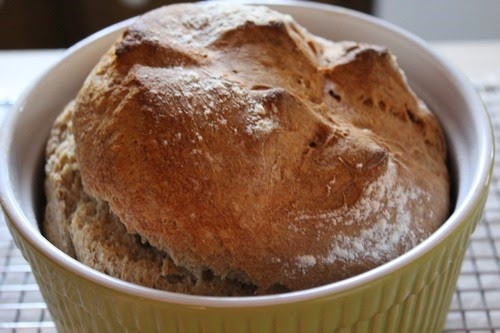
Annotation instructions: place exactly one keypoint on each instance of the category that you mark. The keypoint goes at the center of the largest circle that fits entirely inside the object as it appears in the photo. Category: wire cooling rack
(475, 306)
(476, 303)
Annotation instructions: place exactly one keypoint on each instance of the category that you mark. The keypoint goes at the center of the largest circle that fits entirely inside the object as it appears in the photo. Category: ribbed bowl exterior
(413, 298)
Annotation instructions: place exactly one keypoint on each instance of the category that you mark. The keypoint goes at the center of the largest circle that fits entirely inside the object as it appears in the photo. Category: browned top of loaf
(238, 142)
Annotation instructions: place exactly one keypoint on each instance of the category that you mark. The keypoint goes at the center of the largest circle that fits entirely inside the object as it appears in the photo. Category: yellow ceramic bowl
(409, 294)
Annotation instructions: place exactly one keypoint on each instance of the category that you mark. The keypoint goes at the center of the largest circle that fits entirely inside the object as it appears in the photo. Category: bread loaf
(228, 146)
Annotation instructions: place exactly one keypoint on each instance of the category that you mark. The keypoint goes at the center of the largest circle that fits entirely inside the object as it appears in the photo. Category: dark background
(27, 24)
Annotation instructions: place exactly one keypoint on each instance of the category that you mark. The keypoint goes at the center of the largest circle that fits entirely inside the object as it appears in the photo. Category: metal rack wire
(475, 306)
(476, 303)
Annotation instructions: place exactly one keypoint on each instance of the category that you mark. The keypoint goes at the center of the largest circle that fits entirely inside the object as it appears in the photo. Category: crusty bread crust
(238, 143)
(85, 228)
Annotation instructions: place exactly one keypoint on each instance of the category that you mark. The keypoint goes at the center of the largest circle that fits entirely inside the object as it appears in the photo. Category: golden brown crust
(234, 140)
(85, 229)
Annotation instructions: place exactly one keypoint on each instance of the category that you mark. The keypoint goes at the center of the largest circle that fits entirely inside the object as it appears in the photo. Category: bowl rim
(460, 214)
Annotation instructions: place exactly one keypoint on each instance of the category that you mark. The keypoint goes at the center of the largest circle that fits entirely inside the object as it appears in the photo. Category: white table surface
(476, 303)
(477, 59)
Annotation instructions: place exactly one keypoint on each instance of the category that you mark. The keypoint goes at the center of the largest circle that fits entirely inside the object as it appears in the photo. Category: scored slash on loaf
(224, 150)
